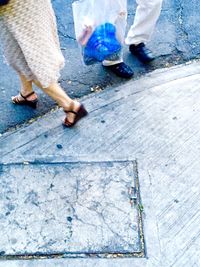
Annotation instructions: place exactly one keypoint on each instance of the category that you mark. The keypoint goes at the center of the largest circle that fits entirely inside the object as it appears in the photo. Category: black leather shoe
(141, 52)
(121, 69)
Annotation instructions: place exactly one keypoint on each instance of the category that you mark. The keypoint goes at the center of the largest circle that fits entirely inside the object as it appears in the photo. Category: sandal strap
(68, 123)
(71, 111)
(82, 112)
(25, 97)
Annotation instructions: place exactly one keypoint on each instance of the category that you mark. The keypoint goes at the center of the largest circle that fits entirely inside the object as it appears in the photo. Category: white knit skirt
(28, 32)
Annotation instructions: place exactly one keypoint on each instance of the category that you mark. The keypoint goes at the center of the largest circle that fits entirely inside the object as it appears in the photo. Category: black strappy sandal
(24, 101)
(82, 112)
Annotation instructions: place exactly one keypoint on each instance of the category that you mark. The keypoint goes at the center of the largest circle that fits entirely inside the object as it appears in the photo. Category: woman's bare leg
(54, 91)
(26, 89)
(63, 100)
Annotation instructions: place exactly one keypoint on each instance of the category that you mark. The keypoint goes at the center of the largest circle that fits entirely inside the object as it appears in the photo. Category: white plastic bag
(100, 28)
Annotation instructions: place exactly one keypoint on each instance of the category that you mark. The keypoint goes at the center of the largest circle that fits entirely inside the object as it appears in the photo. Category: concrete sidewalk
(175, 41)
(142, 136)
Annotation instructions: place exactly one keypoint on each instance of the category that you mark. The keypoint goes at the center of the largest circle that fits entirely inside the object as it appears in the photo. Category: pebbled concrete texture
(154, 120)
(175, 40)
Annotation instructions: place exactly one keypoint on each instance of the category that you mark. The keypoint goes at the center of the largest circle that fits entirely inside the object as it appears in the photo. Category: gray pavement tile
(78, 263)
(154, 120)
(70, 209)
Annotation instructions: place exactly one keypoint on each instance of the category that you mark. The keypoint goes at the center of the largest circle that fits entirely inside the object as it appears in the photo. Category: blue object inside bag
(102, 44)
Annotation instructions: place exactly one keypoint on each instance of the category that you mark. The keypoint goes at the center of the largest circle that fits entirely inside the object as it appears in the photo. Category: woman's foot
(76, 112)
(30, 99)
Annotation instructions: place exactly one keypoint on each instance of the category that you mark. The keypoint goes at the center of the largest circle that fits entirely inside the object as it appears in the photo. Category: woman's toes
(16, 99)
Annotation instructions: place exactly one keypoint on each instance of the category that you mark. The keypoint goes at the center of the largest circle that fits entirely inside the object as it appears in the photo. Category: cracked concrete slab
(71, 209)
(154, 120)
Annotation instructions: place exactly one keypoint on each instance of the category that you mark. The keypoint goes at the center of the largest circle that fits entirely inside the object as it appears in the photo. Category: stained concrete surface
(70, 209)
(154, 120)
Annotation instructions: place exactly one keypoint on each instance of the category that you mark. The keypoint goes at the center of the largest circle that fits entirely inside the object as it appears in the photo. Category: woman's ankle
(26, 91)
(72, 106)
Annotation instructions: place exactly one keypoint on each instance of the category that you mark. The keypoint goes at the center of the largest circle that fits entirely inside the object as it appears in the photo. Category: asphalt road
(175, 40)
